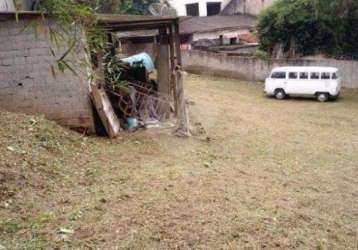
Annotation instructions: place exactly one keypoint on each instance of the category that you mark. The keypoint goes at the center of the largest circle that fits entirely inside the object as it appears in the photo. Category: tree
(310, 26)
(134, 7)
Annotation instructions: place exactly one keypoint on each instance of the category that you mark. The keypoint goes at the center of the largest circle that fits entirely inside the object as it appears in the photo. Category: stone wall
(255, 69)
(27, 83)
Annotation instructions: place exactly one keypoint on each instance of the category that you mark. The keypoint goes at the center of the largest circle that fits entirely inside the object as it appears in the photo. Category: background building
(215, 7)
(250, 7)
(198, 7)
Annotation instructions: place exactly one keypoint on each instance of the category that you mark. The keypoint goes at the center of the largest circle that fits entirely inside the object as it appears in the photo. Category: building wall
(7, 5)
(255, 69)
(216, 34)
(180, 5)
(252, 7)
(26, 80)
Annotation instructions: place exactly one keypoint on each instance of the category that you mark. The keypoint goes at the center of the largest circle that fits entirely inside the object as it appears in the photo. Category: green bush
(320, 26)
(261, 54)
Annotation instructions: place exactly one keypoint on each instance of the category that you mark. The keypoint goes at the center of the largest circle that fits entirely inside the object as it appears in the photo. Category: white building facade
(214, 7)
(198, 7)
(7, 5)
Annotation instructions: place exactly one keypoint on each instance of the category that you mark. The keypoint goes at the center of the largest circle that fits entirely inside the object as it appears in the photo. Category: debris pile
(132, 92)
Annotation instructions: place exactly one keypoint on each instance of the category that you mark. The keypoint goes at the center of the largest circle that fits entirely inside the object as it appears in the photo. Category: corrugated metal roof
(115, 22)
(115, 18)
(104, 18)
(112, 22)
(214, 23)
(140, 33)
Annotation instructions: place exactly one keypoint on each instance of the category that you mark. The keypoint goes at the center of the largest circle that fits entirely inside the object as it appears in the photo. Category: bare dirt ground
(258, 173)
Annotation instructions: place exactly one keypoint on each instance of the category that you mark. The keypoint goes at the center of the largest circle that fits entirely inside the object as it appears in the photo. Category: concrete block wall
(255, 69)
(27, 83)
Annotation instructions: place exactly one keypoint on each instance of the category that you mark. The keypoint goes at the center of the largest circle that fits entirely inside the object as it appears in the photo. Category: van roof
(306, 68)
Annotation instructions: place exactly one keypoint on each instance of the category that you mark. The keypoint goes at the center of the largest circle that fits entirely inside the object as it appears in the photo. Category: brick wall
(27, 83)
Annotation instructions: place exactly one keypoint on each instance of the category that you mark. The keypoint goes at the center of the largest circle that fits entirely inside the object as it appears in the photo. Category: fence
(255, 69)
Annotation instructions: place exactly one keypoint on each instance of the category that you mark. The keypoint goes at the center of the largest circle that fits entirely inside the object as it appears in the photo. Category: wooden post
(176, 40)
(172, 69)
(183, 129)
(111, 44)
(164, 73)
(177, 44)
(171, 46)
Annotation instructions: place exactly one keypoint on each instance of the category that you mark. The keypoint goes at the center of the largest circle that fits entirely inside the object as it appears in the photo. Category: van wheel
(322, 97)
(280, 94)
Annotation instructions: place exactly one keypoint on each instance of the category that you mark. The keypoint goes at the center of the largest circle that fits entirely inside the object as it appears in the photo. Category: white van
(320, 82)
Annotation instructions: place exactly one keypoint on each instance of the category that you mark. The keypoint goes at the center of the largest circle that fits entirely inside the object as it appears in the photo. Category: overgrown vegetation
(134, 7)
(74, 17)
(309, 27)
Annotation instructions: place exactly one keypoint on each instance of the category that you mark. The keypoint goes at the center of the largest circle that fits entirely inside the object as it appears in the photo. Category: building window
(213, 8)
(221, 39)
(233, 40)
(192, 9)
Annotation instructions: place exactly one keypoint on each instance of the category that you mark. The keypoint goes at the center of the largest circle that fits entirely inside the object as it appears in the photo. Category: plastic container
(132, 122)
(142, 57)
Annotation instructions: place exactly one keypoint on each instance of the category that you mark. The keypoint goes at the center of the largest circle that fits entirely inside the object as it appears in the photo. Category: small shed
(164, 38)
(27, 83)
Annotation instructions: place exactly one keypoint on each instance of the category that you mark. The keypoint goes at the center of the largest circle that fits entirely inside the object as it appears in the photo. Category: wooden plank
(105, 111)
(102, 103)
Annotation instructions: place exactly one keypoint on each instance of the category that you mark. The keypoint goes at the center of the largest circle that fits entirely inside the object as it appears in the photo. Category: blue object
(142, 57)
(132, 122)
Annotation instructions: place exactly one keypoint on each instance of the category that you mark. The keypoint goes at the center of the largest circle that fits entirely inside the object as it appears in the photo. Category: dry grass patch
(259, 173)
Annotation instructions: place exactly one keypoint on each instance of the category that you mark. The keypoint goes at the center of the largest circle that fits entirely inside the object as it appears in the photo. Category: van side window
(325, 75)
(292, 75)
(303, 75)
(314, 75)
(334, 76)
(278, 75)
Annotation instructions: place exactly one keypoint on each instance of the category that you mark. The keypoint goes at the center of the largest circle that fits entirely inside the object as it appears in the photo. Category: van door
(326, 82)
(315, 83)
(306, 86)
(278, 80)
(293, 84)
